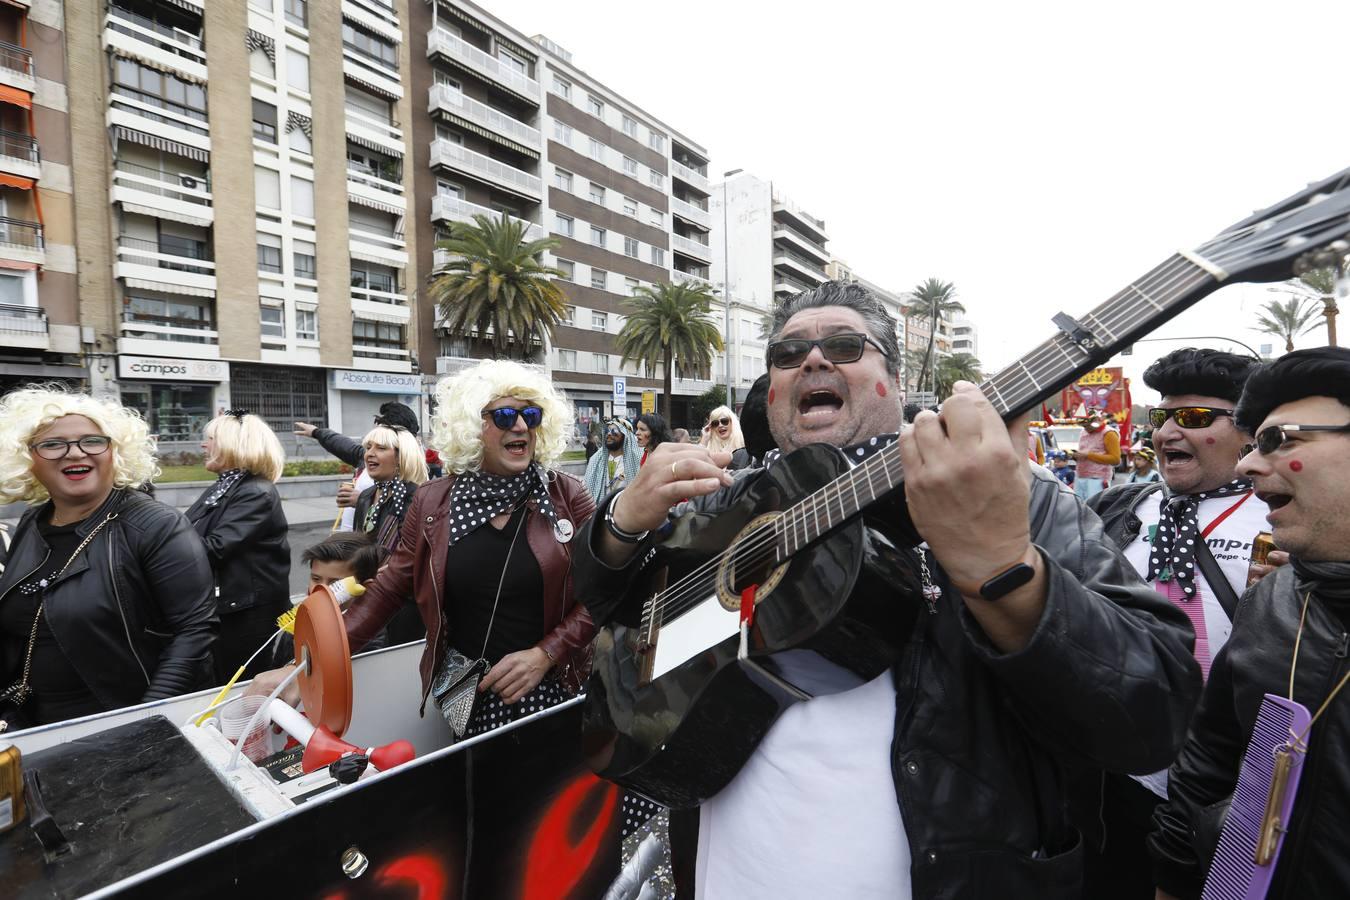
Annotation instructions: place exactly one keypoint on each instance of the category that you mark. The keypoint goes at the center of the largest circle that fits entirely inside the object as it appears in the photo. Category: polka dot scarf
(1172, 554)
(856, 453)
(393, 492)
(478, 496)
(226, 480)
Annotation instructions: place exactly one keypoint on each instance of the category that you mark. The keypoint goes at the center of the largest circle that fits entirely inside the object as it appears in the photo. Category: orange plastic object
(327, 688)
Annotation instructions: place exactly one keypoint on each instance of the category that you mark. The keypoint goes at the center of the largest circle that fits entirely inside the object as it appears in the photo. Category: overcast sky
(1040, 156)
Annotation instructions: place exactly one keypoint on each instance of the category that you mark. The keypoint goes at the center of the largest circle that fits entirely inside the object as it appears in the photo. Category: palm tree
(935, 299)
(1322, 283)
(954, 368)
(669, 324)
(1288, 319)
(494, 280)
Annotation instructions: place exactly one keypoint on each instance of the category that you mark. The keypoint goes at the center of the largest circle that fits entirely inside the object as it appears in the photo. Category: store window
(281, 395)
(174, 412)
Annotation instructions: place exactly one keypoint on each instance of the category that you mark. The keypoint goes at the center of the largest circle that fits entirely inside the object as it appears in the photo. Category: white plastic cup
(235, 718)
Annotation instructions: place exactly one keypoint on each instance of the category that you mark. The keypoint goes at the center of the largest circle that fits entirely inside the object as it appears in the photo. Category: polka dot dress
(1172, 554)
(490, 712)
(478, 496)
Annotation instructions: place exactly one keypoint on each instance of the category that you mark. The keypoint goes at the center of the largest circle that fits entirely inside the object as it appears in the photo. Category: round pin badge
(562, 530)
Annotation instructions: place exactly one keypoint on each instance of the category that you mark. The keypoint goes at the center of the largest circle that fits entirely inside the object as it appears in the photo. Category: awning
(355, 251)
(188, 5)
(373, 145)
(488, 133)
(150, 62)
(376, 204)
(123, 133)
(16, 181)
(366, 315)
(172, 214)
(165, 287)
(17, 264)
(371, 85)
(15, 96)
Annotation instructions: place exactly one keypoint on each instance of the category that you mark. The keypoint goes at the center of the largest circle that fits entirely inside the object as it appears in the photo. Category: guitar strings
(692, 589)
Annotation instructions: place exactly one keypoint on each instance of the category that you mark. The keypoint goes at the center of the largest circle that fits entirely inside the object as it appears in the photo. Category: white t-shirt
(813, 813)
(363, 481)
(1230, 543)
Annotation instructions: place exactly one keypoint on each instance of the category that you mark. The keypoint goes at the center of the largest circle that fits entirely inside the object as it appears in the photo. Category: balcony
(691, 279)
(446, 208)
(383, 306)
(152, 114)
(155, 44)
(690, 177)
(807, 268)
(695, 215)
(155, 327)
(21, 240)
(385, 249)
(366, 187)
(449, 101)
(370, 72)
(24, 326)
(799, 218)
(794, 238)
(467, 56)
(179, 196)
(690, 247)
(16, 67)
(165, 266)
(784, 283)
(507, 177)
(19, 154)
(368, 131)
(376, 16)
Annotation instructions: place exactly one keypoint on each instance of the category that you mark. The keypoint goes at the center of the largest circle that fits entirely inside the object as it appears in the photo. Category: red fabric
(16, 181)
(748, 604)
(15, 96)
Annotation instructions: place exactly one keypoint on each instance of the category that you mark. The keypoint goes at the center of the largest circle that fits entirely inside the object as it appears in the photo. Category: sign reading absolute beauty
(140, 368)
(376, 382)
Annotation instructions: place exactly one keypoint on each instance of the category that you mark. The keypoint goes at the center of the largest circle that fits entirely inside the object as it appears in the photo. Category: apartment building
(965, 336)
(893, 301)
(241, 198)
(515, 127)
(765, 248)
(40, 337)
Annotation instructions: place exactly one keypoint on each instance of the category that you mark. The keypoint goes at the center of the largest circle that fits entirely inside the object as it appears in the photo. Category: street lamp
(726, 290)
(1201, 337)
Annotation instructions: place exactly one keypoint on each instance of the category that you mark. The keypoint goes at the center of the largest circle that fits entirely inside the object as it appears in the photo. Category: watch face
(1007, 581)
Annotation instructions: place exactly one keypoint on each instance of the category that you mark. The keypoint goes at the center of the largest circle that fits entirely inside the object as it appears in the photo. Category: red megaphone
(323, 747)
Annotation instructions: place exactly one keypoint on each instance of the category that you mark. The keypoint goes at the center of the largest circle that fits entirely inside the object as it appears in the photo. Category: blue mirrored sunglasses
(504, 417)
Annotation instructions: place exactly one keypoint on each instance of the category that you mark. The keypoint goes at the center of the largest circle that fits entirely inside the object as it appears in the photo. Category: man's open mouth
(1176, 457)
(517, 447)
(820, 400)
(1274, 501)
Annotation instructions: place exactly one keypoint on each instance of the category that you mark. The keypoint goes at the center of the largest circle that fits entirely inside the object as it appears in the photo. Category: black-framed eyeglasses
(1273, 437)
(56, 448)
(1186, 416)
(504, 417)
(845, 347)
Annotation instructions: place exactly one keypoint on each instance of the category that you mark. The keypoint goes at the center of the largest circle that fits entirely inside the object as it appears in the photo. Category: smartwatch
(1007, 581)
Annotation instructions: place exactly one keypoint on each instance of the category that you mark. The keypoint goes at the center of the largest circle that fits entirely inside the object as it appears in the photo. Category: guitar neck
(1137, 309)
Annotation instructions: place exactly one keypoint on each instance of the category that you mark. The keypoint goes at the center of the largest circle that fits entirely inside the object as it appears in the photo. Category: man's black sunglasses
(1273, 437)
(504, 417)
(845, 347)
(1186, 416)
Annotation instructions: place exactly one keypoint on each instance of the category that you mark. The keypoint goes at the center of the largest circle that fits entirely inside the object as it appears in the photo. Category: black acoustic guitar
(674, 709)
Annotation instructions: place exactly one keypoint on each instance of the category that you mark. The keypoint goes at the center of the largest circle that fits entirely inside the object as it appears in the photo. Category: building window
(567, 359)
(631, 285)
(597, 193)
(374, 277)
(597, 150)
(306, 325)
(297, 12)
(562, 87)
(302, 198)
(595, 106)
(630, 207)
(597, 236)
(658, 256)
(303, 259)
(599, 321)
(562, 133)
(630, 126)
(630, 166)
(568, 269)
(385, 335)
(259, 63)
(571, 317)
(160, 89)
(299, 141)
(370, 46)
(564, 225)
(273, 321)
(264, 122)
(656, 178)
(630, 247)
(599, 278)
(658, 218)
(656, 141)
(562, 179)
(297, 70)
(269, 253)
(512, 61)
(600, 362)
(176, 312)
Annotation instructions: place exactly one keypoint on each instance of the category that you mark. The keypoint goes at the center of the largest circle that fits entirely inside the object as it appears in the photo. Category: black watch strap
(1007, 581)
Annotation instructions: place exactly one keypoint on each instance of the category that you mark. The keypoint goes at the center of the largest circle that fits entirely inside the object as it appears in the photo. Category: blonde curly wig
(412, 460)
(457, 426)
(27, 412)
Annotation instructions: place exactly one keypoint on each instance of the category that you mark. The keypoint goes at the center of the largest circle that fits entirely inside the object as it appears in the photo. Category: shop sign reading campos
(140, 368)
(376, 382)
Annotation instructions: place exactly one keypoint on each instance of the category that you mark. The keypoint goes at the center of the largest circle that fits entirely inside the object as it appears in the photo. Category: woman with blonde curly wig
(106, 599)
(486, 554)
(242, 524)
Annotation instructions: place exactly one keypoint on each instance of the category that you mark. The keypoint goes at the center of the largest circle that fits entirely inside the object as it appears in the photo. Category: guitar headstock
(1306, 230)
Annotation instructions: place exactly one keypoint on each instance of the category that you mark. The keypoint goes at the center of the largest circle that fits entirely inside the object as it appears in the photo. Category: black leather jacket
(387, 525)
(245, 539)
(1315, 859)
(344, 448)
(981, 738)
(135, 613)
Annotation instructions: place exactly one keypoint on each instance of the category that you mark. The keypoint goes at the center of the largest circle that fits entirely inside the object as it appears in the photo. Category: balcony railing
(180, 116)
(21, 234)
(801, 236)
(455, 156)
(691, 211)
(183, 186)
(18, 145)
(16, 58)
(167, 328)
(443, 96)
(688, 175)
(441, 41)
(181, 257)
(690, 278)
(690, 246)
(805, 261)
(455, 209)
(368, 176)
(25, 321)
(377, 296)
(357, 119)
(791, 208)
(171, 40)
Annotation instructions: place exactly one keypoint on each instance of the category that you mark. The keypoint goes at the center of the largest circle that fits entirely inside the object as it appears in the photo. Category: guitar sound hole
(750, 564)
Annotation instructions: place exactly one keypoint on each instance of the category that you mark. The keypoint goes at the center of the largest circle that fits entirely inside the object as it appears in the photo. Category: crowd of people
(1079, 665)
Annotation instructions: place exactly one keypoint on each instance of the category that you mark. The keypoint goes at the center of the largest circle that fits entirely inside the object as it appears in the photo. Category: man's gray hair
(850, 295)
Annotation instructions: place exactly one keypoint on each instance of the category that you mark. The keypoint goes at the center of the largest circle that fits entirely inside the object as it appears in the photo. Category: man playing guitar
(1027, 643)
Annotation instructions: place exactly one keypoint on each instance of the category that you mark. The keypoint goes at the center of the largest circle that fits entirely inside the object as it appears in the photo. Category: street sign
(620, 390)
(648, 402)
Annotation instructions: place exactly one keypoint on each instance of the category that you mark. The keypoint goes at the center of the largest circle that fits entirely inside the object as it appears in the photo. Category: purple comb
(1258, 818)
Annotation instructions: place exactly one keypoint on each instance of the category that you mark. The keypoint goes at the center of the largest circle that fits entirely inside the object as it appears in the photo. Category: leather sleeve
(344, 448)
(393, 582)
(576, 631)
(250, 513)
(176, 571)
(1108, 678)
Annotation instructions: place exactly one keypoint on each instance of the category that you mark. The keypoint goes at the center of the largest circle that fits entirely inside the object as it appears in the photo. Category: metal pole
(726, 293)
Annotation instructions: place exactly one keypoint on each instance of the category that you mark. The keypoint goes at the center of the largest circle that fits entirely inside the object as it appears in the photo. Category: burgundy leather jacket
(417, 567)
